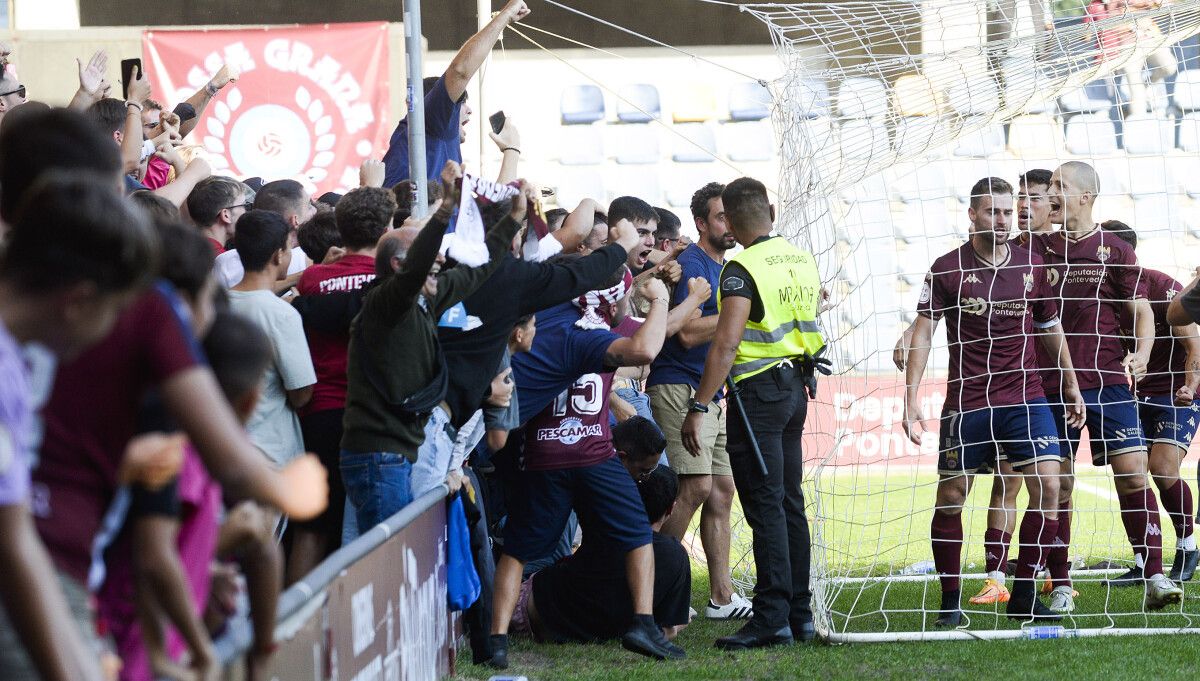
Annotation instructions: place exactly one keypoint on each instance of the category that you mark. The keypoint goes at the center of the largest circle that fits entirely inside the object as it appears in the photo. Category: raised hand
(139, 86)
(515, 10)
(624, 234)
(699, 288)
(224, 76)
(91, 77)
(508, 138)
(452, 175)
(371, 173)
(527, 195)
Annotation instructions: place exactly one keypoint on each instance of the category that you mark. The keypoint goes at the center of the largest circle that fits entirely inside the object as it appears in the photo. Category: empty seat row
(641, 103)
(643, 143)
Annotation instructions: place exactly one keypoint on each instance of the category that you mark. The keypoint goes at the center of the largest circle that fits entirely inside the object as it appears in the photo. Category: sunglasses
(20, 92)
(249, 205)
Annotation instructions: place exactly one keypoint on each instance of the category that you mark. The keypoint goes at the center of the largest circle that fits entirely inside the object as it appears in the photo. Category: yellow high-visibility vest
(788, 283)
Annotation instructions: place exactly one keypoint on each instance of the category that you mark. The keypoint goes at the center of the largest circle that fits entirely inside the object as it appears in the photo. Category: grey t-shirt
(274, 427)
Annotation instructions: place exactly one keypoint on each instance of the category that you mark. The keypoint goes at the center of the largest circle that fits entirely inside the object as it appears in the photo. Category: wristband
(130, 103)
(211, 89)
(507, 149)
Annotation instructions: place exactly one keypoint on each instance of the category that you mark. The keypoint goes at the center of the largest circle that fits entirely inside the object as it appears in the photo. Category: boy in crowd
(262, 246)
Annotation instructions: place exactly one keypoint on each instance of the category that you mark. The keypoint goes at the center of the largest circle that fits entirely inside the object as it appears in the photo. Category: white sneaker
(1161, 592)
(1062, 600)
(738, 608)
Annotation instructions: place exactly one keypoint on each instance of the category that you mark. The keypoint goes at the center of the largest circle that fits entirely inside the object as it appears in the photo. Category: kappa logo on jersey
(570, 431)
(1103, 253)
(1028, 279)
(972, 279)
(976, 306)
(1153, 530)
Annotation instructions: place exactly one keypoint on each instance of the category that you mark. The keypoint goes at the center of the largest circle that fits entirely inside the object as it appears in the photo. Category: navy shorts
(603, 495)
(1112, 423)
(970, 440)
(1163, 421)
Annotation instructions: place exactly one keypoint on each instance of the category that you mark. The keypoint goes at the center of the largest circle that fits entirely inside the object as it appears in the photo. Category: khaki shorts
(669, 404)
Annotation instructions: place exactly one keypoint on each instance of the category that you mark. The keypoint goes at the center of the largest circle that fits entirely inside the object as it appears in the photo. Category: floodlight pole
(416, 108)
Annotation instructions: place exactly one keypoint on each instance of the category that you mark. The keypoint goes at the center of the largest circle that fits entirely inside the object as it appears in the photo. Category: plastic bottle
(925, 567)
(1043, 632)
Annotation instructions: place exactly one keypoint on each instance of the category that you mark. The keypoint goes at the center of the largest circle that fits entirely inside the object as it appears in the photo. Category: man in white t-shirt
(261, 240)
(291, 201)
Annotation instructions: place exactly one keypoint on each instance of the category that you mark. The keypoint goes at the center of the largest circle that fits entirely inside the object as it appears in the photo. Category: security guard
(768, 342)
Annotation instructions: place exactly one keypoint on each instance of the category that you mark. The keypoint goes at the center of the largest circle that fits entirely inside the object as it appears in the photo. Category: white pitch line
(1101, 492)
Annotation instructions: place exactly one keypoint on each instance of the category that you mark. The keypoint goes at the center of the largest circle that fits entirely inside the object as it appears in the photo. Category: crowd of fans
(173, 342)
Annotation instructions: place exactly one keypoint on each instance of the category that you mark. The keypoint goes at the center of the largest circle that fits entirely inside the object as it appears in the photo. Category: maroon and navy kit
(993, 396)
(1095, 277)
(1162, 420)
(573, 431)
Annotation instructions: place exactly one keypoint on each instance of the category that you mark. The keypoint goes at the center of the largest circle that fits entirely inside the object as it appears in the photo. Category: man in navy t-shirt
(705, 479)
(446, 112)
(569, 460)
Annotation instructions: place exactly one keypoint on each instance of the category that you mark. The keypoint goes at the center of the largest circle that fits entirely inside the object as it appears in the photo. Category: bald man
(1096, 276)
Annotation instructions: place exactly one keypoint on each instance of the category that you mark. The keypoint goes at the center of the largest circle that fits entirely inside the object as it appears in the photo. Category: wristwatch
(695, 407)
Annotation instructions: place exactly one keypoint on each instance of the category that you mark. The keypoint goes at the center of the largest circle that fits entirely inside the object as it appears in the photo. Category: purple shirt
(1166, 369)
(573, 431)
(990, 316)
(16, 422)
(1092, 277)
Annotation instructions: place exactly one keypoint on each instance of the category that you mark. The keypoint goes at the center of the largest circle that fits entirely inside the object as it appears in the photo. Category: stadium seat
(1091, 134)
(963, 174)
(1187, 171)
(975, 97)
(1148, 136)
(644, 182)
(1156, 213)
(869, 189)
(923, 135)
(1114, 175)
(1091, 98)
(683, 179)
(863, 140)
(577, 184)
(1189, 129)
(820, 142)
(867, 217)
(695, 103)
(1023, 90)
(1187, 90)
(636, 143)
(581, 104)
(749, 101)
(699, 133)
(924, 219)
(638, 104)
(862, 98)
(915, 95)
(986, 139)
(1035, 135)
(582, 145)
(927, 181)
(1148, 177)
(750, 141)
(809, 97)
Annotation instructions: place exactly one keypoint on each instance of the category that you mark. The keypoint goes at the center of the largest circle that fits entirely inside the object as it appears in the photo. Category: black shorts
(322, 432)
(603, 495)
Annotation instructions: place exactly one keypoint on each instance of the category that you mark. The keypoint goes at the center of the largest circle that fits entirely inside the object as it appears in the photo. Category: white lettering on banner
(362, 611)
(372, 672)
(293, 56)
(424, 618)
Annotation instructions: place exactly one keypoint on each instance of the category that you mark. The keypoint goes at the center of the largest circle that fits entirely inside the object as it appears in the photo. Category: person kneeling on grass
(585, 597)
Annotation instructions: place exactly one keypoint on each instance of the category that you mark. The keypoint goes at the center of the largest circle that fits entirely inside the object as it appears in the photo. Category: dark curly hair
(363, 215)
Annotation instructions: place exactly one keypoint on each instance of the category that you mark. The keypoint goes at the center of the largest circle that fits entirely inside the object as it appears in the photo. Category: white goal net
(889, 113)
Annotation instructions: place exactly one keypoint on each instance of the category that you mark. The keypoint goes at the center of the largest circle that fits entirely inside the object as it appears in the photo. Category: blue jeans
(433, 457)
(377, 485)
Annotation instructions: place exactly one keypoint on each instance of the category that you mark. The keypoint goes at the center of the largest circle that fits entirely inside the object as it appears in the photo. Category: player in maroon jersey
(996, 300)
(1096, 275)
(1165, 406)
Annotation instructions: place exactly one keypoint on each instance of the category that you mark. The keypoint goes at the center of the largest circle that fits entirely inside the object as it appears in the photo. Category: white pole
(416, 108)
(483, 14)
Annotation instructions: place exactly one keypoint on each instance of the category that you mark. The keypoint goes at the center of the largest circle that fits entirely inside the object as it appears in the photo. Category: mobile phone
(497, 120)
(127, 74)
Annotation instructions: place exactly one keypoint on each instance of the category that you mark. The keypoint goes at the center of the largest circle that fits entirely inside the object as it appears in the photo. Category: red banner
(310, 104)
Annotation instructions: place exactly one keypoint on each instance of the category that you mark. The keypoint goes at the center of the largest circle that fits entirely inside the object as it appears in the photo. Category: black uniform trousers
(776, 403)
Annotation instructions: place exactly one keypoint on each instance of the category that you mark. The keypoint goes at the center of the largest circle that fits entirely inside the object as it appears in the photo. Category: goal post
(881, 140)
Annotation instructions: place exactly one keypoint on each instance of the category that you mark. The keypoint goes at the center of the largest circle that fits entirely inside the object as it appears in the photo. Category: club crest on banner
(310, 104)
